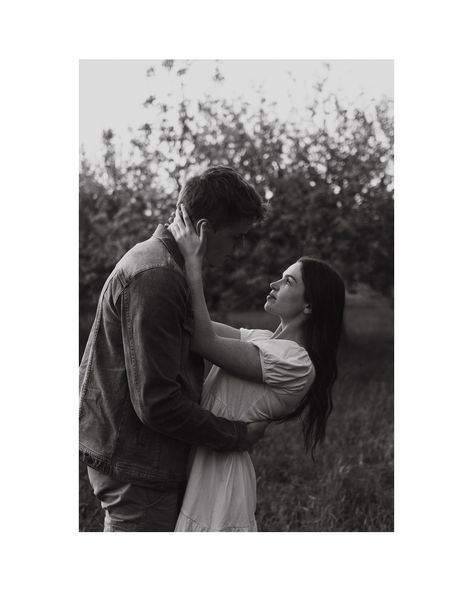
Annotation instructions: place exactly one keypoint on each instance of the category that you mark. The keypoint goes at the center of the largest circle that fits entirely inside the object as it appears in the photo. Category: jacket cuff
(242, 435)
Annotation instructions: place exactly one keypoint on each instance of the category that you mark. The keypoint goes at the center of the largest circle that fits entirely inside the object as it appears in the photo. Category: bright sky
(112, 91)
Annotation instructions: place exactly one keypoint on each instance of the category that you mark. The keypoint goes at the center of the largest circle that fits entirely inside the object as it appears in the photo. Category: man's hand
(256, 431)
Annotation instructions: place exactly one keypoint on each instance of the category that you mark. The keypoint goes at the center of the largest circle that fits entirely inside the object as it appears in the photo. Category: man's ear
(199, 225)
(307, 310)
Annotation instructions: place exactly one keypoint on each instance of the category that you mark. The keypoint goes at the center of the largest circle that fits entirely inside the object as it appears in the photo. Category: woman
(258, 375)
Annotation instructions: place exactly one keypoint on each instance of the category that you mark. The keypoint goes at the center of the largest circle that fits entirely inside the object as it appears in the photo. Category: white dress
(221, 489)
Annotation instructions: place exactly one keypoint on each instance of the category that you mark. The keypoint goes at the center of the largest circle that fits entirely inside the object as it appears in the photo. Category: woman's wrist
(193, 268)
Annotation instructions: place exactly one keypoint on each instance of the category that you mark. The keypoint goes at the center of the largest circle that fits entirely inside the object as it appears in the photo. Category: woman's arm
(233, 355)
(226, 330)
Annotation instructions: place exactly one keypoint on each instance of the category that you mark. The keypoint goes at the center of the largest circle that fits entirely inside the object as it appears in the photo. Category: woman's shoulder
(283, 348)
(255, 334)
(286, 365)
(284, 354)
(290, 352)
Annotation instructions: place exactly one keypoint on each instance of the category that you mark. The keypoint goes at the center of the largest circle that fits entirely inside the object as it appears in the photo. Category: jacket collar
(167, 238)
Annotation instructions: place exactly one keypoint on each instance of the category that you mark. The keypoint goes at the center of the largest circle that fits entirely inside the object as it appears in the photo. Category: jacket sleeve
(153, 313)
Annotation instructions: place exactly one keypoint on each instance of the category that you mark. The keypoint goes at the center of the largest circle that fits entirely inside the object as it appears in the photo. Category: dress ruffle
(186, 524)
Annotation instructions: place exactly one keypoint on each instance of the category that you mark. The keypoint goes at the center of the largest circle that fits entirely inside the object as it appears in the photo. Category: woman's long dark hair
(325, 293)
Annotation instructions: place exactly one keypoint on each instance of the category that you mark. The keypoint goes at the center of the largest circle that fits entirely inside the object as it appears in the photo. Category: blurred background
(316, 139)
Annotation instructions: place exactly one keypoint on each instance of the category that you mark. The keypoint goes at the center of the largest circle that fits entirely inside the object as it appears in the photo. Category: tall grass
(350, 486)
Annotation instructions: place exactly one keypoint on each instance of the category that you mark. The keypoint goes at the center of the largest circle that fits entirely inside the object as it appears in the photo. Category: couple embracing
(166, 451)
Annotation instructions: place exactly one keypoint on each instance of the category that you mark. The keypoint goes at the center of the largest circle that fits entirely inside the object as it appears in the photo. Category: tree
(329, 189)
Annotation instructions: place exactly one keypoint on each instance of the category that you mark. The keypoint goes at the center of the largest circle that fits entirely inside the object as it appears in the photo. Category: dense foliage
(329, 188)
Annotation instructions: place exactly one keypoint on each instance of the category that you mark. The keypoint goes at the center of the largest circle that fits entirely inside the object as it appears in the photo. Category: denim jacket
(140, 385)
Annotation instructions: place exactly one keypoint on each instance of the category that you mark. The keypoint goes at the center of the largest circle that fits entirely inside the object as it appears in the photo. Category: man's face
(222, 243)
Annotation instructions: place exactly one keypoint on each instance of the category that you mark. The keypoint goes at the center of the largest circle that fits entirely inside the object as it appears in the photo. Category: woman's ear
(307, 310)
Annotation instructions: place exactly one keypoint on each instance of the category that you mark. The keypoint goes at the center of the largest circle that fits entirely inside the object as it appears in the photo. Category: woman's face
(286, 298)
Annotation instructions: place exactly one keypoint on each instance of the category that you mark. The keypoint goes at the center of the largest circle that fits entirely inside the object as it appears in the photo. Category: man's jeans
(133, 508)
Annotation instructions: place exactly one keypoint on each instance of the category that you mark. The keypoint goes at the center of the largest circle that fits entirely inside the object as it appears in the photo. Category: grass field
(350, 486)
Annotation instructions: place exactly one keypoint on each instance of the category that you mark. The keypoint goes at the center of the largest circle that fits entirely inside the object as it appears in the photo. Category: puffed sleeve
(286, 366)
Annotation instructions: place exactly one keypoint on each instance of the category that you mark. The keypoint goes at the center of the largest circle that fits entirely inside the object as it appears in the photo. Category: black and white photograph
(236, 275)
(236, 294)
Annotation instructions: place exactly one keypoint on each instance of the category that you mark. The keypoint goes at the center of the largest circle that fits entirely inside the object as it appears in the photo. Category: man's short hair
(222, 196)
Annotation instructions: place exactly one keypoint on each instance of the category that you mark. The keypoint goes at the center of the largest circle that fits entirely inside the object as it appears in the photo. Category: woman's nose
(273, 285)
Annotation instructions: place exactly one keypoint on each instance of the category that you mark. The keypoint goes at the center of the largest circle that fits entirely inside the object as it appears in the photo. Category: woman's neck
(291, 331)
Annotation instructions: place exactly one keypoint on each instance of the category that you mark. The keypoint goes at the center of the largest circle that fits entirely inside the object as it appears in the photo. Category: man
(140, 384)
